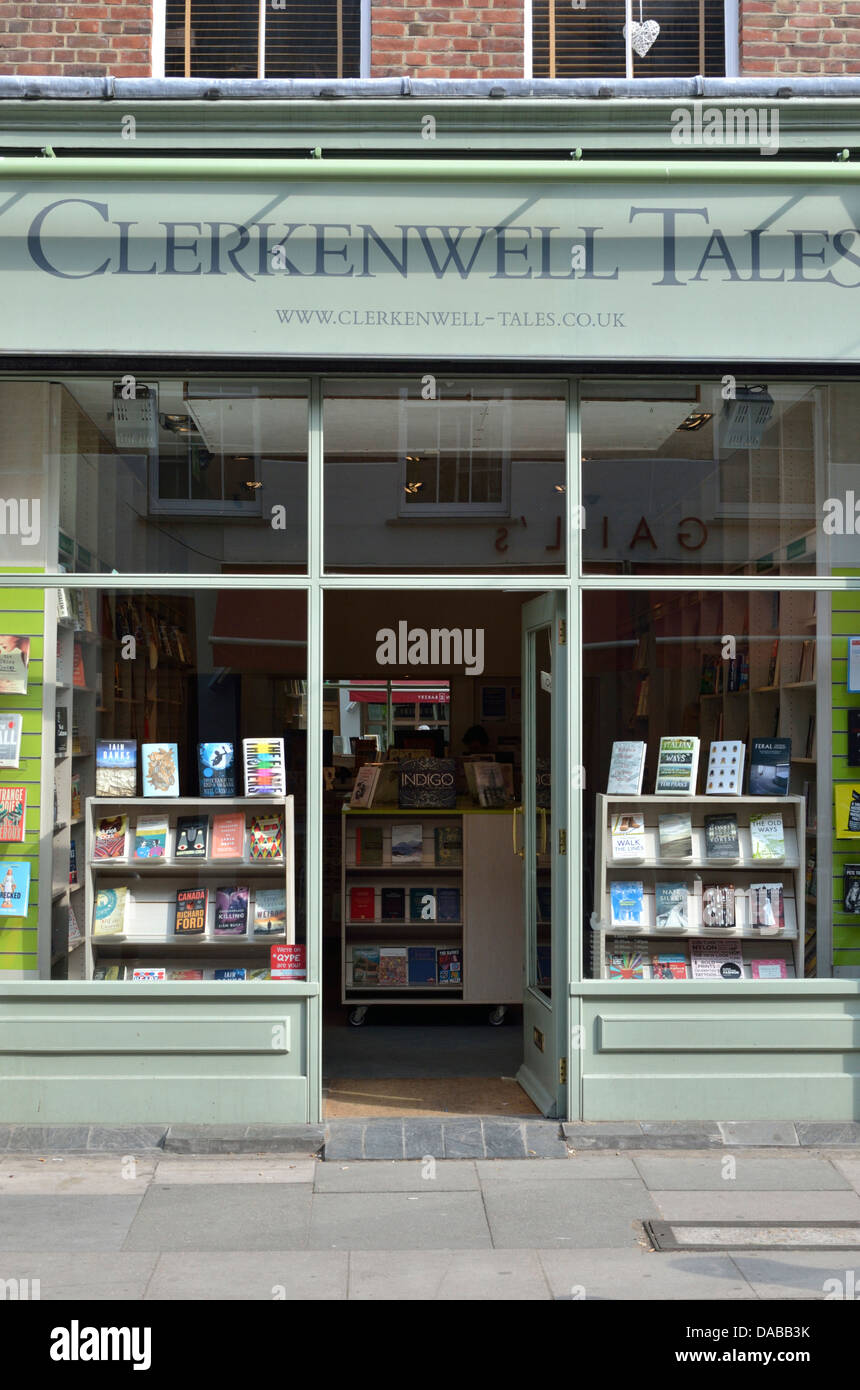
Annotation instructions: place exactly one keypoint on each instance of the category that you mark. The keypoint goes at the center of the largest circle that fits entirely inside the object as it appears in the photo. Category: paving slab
(422, 1138)
(424, 1176)
(247, 1216)
(544, 1140)
(463, 1139)
(817, 1135)
(384, 1139)
(759, 1133)
(587, 1165)
(345, 1139)
(758, 1206)
(850, 1170)
(795, 1274)
(724, 1172)
(504, 1139)
(249, 1139)
(436, 1276)
(637, 1275)
(109, 1175)
(606, 1212)
(230, 1168)
(285, 1275)
(80, 1277)
(125, 1138)
(35, 1138)
(416, 1221)
(65, 1223)
(679, 1134)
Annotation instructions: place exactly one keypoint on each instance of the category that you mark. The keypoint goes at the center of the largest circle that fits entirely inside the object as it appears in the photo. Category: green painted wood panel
(22, 611)
(846, 623)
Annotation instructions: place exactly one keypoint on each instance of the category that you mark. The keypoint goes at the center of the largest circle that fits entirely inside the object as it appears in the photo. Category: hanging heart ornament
(642, 36)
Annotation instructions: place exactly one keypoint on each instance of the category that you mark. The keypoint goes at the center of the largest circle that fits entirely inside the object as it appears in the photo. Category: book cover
(718, 906)
(236, 972)
(79, 675)
(627, 965)
(853, 754)
(407, 844)
(76, 796)
(392, 904)
(185, 974)
(191, 906)
(768, 970)
(669, 966)
(628, 835)
(422, 905)
(61, 731)
(846, 798)
(10, 740)
(362, 904)
(393, 966)
(231, 911)
(422, 965)
(14, 663)
(368, 845)
(494, 783)
(149, 972)
(364, 786)
(111, 838)
(228, 835)
(216, 769)
(270, 912)
(13, 810)
(448, 845)
(851, 888)
(261, 975)
(14, 888)
(767, 836)
(116, 768)
(109, 911)
(160, 769)
(767, 907)
(427, 783)
(721, 837)
(448, 904)
(150, 837)
(725, 768)
(677, 766)
(192, 835)
(75, 935)
(267, 837)
(288, 962)
(671, 906)
(770, 766)
(449, 965)
(265, 770)
(628, 904)
(676, 836)
(718, 959)
(73, 862)
(626, 769)
(365, 965)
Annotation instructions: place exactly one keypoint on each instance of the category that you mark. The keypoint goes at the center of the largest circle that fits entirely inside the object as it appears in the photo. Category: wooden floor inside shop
(425, 1097)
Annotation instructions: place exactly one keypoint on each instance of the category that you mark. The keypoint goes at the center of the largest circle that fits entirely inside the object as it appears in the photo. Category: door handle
(542, 813)
(518, 810)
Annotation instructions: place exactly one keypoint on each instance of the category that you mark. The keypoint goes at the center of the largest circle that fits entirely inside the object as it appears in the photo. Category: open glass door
(544, 849)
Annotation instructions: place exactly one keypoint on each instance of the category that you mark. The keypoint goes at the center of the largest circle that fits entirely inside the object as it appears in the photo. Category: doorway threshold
(421, 1097)
(475, 1136)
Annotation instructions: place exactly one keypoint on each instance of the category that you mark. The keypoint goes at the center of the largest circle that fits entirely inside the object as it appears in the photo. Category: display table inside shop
(431, 907)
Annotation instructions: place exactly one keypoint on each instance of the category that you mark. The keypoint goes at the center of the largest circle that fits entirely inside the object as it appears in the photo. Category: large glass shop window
(444, 473)
(153, 748)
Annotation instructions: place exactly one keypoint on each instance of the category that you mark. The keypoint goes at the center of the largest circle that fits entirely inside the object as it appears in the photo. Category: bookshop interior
(154, 755)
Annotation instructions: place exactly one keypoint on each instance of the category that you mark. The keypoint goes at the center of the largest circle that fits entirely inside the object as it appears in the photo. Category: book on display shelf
(721, 837)
(192, 836)
(627, 903)
(628, 835)
(626, 768)
(160, 764)
(770, 766)
(676, 835)
(725, 768)
(191, 904)
(767, 836)
(677, 766)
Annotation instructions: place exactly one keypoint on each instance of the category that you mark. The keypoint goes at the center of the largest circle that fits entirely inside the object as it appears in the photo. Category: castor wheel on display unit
(497, 1015)
(358, 1015)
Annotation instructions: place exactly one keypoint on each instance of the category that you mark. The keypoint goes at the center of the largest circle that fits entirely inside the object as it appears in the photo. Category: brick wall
(807, 37)
(483, 40)
(75, 38)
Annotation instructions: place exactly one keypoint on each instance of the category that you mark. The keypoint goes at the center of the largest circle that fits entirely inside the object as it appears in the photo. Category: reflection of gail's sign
(440, 646)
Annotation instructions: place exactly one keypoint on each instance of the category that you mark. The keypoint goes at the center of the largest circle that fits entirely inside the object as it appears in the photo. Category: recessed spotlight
(697, 420)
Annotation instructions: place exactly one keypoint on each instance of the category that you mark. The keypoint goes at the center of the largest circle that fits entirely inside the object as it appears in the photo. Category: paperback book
(770, 766)
(627, 904)
(15, 888)
(768, 969)
(628, 835)
(407, 844)
(267, 837)
(185, 974)
(767, 837)
(111, 838)
(160, 769)
(677, 767)
(767, 907)
(676, 836)
(626, 769)
(13, 811)
(669, 966)
(422, 965)
(146, 973)
(150, 837)
(365, 965)
(449, 965)
(270, 911)
(626, 963)
(718, 906)
(109, 912)
(851, 888)
(422, 905)
(216, 769)
(448, 845)
(14, 661)
(191, 906)
(428, 784)
(368, 845)
(10, 740)
(495, 784)
(236, 972)
(364, 786)
(265, 772)
(192, 835)
(231, 911)
(721, 837)
(448, 904)
(393, 965)
(61, 731)
(392, 904)
(228, 836)
(73, 862)
(671, 906)
(362, 904)
(116, 768)
(725, 769)
(716, 959)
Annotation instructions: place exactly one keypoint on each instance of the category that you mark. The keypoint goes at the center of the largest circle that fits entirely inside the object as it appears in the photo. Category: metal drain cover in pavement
(753, 1235)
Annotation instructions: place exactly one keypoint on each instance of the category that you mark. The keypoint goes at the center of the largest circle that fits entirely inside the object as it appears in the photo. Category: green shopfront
(567, 448)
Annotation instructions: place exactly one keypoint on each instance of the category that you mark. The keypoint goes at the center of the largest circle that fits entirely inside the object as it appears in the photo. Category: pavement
(155, 1224)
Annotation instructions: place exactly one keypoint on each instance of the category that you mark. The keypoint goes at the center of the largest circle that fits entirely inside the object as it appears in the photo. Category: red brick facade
(483, 40)
(806, 37)
(76, 38)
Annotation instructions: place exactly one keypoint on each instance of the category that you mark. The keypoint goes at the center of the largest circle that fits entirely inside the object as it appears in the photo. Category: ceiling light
(178, 424)
(252, 485)
(696, 420)
(412, 488)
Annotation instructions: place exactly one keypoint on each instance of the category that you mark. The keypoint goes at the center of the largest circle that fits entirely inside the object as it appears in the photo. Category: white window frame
(731, 22)
(158, 52)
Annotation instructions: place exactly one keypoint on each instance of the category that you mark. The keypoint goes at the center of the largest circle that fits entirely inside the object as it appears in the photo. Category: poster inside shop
(14, 888)
(14, 660)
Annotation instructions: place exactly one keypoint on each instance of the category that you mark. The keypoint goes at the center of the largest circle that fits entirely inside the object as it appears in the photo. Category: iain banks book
(116, 768)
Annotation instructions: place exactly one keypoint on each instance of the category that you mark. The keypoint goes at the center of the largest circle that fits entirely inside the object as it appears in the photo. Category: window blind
(587, 40)
(262, 38)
